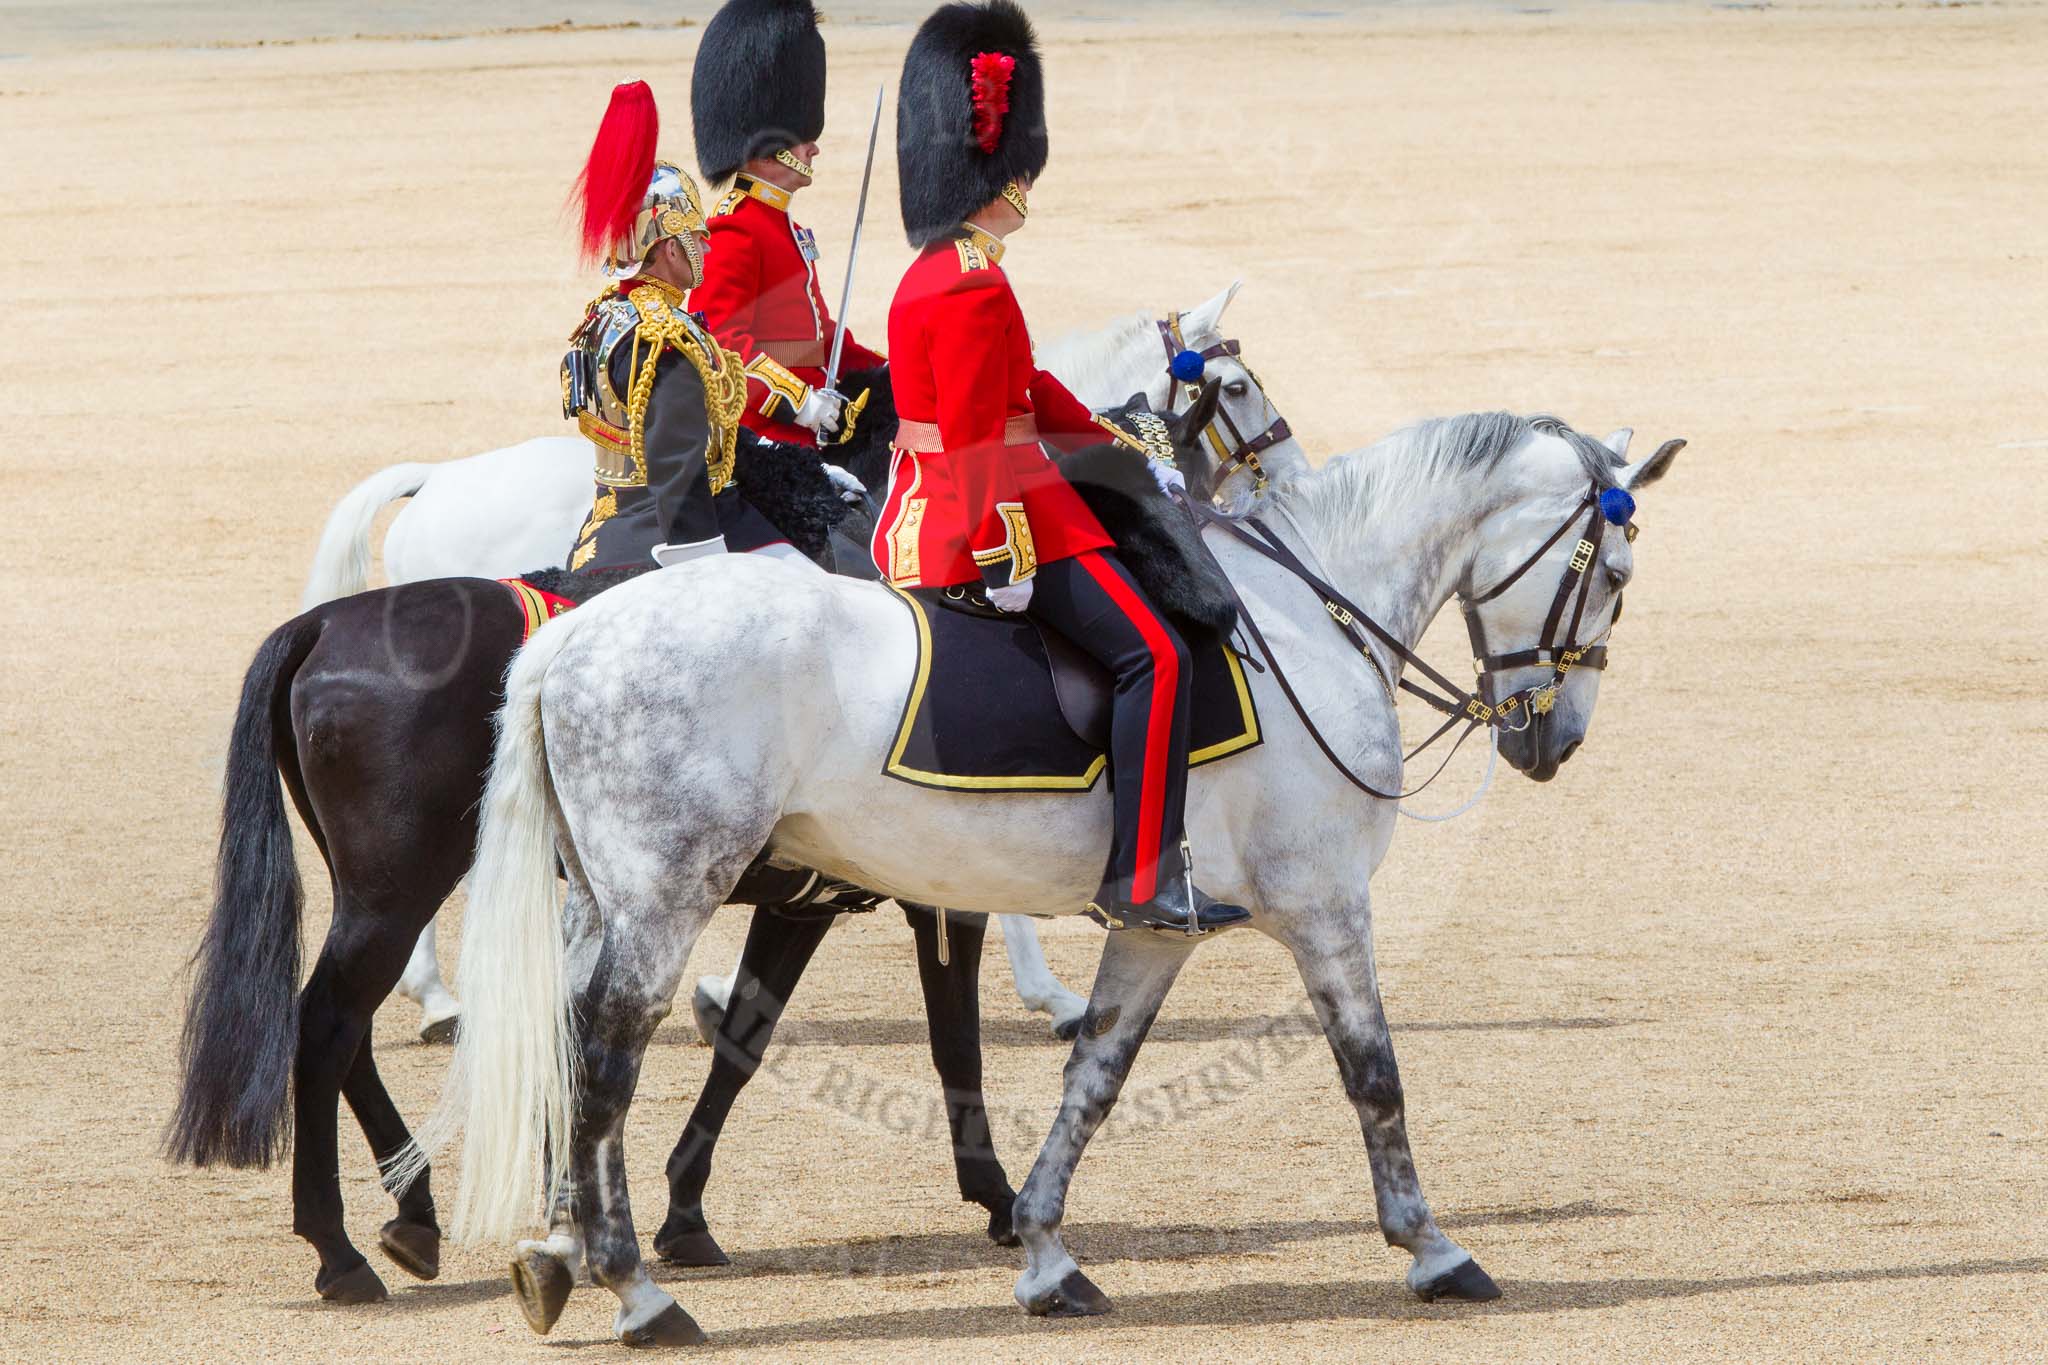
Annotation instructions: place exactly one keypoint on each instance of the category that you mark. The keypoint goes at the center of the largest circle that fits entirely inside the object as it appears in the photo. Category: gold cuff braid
(725, 383)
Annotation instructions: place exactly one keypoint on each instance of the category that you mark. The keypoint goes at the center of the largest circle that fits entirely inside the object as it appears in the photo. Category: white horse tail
(341, 566)
(511, 1088)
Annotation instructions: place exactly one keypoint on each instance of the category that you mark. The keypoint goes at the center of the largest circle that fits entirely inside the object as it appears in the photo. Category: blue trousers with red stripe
(1093, 601)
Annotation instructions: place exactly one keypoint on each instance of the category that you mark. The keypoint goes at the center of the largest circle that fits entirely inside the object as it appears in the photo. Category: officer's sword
(853, 254)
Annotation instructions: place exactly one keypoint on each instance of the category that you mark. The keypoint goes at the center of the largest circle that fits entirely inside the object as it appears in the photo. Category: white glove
(1167, 477)
(665, 555)
(1011, 596)
(851, 490)
(820, 411)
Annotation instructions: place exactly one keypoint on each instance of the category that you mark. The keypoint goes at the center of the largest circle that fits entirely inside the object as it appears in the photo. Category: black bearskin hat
(758, 86)
(970, 114)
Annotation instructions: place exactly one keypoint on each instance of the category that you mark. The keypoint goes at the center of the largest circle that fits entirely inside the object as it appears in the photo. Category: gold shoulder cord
(725, 385)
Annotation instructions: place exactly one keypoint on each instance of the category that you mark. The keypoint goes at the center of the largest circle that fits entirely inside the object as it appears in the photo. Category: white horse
(658, 761)
(507, 511)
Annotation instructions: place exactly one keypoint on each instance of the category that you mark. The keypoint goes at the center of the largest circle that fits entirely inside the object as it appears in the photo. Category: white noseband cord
(1485, 785)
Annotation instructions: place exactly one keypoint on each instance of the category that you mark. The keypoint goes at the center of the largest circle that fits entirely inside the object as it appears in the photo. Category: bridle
(1234, 451)
(1575, 587)
(1515, 712)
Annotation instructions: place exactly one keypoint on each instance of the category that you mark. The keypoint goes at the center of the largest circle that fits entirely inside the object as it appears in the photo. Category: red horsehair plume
(613, 185)
(992, 72)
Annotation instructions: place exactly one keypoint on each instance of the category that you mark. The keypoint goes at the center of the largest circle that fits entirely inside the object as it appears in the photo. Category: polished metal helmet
(672, 208)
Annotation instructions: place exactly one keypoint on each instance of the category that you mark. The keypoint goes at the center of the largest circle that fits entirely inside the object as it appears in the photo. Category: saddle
(1053, 702)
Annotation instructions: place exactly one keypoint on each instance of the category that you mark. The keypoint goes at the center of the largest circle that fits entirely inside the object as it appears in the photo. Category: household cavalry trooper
(972, 497)
(757, 104)
(650, 387)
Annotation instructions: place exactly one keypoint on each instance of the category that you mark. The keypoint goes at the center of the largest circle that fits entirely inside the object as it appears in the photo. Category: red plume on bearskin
(991, 98)
(613, 185)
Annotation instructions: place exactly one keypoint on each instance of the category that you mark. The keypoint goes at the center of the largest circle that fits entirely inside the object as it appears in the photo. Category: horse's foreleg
(952, 1006)
(778, 949)
(422, 985)
(1337, 968)
(1138, 968)
(1037, 987)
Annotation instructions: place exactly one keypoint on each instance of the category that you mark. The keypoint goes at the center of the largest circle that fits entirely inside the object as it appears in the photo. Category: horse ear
(1207, 318)
(1650, 470)
(1188, 427)
(1617, 441)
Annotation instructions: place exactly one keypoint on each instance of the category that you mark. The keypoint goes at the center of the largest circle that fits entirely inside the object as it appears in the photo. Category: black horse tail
(242, 1020)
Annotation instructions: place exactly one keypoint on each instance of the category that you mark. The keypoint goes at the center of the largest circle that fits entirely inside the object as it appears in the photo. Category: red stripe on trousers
(1158, 725)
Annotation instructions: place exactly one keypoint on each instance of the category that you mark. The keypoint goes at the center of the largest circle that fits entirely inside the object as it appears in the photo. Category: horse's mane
(1412, 462)
(1087, 353)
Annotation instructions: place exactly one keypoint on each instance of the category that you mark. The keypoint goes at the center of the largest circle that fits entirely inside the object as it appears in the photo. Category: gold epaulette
(733, 199)
(972, 257)
(663, 324)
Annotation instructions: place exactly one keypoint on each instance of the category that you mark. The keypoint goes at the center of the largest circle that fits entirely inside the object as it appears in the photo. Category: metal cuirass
(588, 395)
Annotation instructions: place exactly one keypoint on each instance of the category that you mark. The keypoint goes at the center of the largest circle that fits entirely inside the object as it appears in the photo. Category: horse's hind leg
(778, 949)
(628, 973)
(1334, 954)
(413, 1238)
(334, 1024)
(1138, 968)
(421, 983)
(952, 1006)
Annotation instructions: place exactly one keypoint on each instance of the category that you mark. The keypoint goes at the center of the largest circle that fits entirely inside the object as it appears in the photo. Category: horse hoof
(707, 1011)
(541, 1283)
(1067, 1030)
(698, 1248)
(436, 1032)
(414, 1246)
(359, 1285)
(1465, 1281)
(671, 1327)
(1074, 1297)
(1002, 1230)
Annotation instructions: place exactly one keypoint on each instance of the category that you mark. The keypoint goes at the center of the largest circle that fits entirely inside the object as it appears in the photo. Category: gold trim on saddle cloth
(536, 607)
(1248, 736)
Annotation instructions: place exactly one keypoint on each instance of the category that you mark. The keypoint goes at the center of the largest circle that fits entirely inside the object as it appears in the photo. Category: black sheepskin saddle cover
(995, 705)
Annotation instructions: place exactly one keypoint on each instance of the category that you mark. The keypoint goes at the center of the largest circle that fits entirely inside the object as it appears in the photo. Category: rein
(1455, 703)
(1236, 451)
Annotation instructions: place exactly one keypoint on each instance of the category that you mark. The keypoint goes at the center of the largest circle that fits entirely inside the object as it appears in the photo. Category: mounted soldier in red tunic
(973, 499)
(757, 102)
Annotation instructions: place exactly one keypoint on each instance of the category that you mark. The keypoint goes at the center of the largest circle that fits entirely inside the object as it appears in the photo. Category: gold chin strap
(795, 163)
(1013, 193)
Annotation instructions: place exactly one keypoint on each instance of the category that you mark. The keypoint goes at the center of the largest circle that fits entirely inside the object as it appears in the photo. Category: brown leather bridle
(1234, 451)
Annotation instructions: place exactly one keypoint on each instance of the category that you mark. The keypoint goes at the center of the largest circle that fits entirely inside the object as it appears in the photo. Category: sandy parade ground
(1727, 1043)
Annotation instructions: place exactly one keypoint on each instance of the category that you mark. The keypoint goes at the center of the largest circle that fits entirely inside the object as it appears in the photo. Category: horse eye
(1616, 580)
(1237, 388)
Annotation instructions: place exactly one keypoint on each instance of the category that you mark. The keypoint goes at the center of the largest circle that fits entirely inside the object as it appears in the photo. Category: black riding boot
(1179, 906)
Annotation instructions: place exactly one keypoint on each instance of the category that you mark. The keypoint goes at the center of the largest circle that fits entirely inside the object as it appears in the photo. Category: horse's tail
(341, 566)
(511, 1088)
(242, 1020)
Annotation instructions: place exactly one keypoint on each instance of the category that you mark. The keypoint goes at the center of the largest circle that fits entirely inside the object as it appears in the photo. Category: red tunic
(971, 494)
(761, 298)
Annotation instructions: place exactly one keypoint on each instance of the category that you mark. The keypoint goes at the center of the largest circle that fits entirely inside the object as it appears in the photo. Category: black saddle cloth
(997, 705)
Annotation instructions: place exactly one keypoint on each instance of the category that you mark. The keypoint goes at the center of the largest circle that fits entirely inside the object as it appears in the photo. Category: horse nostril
(1569, 750)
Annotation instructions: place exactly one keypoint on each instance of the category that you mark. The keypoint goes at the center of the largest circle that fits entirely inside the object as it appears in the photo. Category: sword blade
(860, 216)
